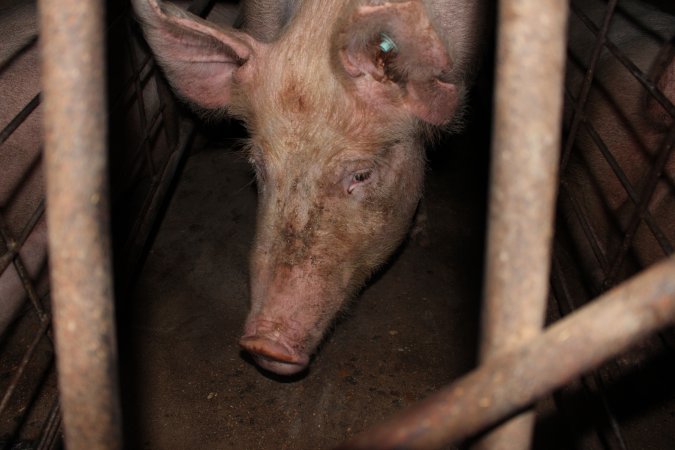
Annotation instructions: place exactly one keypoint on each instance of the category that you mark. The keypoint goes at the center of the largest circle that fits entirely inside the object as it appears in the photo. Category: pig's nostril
(273, 356)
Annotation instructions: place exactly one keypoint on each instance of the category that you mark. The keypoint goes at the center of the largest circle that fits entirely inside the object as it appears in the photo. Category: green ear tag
(387, 43)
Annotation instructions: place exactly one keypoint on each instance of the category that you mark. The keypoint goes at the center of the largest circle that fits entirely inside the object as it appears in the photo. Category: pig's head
(335, 108)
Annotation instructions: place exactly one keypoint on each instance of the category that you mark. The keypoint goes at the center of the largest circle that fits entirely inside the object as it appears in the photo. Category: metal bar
(140, 102)
(22, 366)
(588, 230)
(77, 219)
(149, 134)
(13, 255)
(510, 382)
(51, 430)
(528, 108)
(563, 297)
(586, 84)
(141, 231)
(19, 118)
(126, 92)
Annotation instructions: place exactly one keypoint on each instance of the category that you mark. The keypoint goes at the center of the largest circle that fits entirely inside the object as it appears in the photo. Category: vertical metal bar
(510, 382)
(73, 64)
(528, 106)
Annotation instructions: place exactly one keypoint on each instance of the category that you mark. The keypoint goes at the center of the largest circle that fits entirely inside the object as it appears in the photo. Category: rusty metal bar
(528, 108)
(73, 65)
(510, 382)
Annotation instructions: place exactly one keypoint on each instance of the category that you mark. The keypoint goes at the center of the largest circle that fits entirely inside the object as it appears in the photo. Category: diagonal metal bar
(511, 382)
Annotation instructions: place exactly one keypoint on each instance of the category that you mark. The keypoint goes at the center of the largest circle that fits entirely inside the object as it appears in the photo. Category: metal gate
(520, 361)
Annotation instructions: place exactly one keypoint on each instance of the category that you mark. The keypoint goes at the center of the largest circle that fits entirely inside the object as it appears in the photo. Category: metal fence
(520, 362)
(137, 124)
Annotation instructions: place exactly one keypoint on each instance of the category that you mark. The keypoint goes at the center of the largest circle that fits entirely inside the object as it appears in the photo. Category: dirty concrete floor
(412, 330)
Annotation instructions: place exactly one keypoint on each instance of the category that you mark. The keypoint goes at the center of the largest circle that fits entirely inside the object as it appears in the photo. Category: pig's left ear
(392, 51)
(200, 59)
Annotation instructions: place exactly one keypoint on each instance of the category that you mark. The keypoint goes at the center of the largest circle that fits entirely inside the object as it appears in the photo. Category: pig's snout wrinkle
(274, 356)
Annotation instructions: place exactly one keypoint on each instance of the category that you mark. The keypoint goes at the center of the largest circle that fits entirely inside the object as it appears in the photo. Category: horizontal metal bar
(505, 385)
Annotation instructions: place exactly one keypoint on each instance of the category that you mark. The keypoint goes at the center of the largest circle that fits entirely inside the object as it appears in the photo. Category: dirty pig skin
(338, 97)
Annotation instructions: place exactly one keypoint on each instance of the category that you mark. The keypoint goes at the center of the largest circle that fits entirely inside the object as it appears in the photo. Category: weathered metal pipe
(528, 109)
(511, 382)
(77, 216)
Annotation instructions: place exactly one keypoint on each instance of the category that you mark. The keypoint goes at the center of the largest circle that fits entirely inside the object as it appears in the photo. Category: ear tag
(387, 44)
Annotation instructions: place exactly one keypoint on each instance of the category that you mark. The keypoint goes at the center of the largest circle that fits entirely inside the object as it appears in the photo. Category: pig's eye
(358, 178)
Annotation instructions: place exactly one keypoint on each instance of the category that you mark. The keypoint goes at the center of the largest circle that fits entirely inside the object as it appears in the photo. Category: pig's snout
(272, 353)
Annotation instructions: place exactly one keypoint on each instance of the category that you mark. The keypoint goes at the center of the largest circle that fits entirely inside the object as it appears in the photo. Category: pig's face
(336, 196)
(321, 230)
(334, 109)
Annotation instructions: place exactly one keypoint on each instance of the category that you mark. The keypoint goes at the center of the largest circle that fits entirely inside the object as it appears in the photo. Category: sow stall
(168, 374)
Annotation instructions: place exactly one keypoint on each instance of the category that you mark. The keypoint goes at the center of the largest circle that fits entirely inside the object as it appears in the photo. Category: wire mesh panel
(146, 140)
(618, 191)
(27, 379)
(617, 208)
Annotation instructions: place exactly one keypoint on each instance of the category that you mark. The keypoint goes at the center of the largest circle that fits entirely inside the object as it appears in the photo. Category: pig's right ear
(395, 56)
(199, 59)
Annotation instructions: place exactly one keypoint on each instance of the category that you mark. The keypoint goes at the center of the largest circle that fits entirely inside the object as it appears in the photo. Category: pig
(631, 123)
(339, 98)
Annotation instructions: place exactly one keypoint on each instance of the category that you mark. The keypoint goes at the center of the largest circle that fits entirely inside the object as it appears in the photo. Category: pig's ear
(199, 59)
(393, 51)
